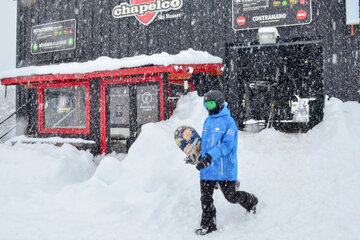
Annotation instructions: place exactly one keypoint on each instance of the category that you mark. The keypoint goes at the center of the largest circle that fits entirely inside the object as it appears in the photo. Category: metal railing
(9, 117)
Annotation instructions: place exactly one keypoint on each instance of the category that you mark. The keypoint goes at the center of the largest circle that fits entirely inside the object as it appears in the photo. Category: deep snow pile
(307, 185)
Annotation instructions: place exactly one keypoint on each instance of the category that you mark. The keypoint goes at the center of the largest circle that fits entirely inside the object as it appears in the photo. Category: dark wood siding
(204, 25)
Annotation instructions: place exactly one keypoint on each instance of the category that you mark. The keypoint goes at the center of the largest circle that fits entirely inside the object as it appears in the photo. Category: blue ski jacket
(219, 139)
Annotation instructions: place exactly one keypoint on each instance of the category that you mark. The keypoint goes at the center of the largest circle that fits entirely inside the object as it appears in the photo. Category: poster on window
(119, 105)
(147, 104)
(253, 14)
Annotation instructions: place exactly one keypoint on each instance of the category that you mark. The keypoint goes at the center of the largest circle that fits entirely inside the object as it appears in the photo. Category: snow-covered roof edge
(189, 56)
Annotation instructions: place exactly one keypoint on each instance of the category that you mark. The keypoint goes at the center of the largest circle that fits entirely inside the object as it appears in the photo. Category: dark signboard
(252, 14)
(52, 37)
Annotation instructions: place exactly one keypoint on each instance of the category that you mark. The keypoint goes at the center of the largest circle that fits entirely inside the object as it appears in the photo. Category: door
(266, 79)
(118, 117)
(128, 104)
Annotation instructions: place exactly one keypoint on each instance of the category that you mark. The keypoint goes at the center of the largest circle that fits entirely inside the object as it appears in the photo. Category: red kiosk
(109, 106)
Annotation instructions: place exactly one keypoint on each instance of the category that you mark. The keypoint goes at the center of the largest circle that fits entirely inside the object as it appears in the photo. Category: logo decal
(146, 98)
(230, 132)
(145, 11)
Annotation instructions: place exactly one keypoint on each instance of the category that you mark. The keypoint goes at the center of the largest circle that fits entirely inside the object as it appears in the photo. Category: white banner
(352, 12)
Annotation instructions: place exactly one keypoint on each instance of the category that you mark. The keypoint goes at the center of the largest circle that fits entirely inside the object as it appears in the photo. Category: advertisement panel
(252, 14)
(53, 37)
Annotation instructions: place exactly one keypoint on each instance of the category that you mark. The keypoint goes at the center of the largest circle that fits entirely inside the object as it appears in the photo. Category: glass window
(119, 105)
(65, 107)
(147, 104)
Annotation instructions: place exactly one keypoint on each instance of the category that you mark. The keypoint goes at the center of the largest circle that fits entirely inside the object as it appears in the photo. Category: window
(119, 105)
(64, 108)
(147, 104)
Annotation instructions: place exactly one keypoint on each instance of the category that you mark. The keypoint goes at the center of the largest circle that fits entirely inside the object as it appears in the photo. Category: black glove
(204, 162)
(188, 160)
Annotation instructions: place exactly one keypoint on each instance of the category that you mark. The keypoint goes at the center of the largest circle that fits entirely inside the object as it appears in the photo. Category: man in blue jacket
(218, 162)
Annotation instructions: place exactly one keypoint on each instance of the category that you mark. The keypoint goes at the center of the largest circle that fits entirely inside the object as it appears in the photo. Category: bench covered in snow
(57, 141)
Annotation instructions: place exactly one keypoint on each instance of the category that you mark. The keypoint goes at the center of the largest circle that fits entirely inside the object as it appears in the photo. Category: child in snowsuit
(218, 162)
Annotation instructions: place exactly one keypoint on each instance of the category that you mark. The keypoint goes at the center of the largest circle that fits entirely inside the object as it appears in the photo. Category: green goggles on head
(210, 105)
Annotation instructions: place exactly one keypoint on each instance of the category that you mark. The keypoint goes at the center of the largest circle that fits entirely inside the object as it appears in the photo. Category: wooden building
(316, 53)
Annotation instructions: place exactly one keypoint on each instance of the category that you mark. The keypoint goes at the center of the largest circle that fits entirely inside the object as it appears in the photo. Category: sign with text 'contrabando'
(252, 14)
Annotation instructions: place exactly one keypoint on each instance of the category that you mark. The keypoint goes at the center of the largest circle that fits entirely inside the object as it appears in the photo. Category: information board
(252, 14)
(147, 104)
(52, 37)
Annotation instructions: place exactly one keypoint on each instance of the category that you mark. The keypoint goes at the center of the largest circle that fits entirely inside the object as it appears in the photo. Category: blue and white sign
(352, 12)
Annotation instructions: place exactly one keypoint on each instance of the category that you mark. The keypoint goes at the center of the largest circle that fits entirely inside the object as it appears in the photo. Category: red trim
(352, 30)
(41, 122)
(103, 93)
(103, 127)
(177, 68)
(162, 116)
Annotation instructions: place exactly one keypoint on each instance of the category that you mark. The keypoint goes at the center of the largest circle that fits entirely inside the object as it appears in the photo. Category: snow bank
(189, 56)
(308, 182)
(307, 185)
(30, 166)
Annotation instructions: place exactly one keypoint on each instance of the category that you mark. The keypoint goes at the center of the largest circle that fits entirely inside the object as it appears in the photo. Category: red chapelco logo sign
(145, 10)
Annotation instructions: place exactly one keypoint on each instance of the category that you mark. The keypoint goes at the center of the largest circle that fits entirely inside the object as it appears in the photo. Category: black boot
(204, 231)
(252, 201)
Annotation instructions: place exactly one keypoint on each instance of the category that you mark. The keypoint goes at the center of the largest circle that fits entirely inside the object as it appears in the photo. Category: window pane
(147, 104)
(65, 107)
(119, 105)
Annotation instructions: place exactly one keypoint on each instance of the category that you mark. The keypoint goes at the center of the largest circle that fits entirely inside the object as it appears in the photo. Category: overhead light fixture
(268, 35)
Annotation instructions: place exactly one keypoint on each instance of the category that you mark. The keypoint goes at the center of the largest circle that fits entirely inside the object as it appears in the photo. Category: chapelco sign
(145, 10)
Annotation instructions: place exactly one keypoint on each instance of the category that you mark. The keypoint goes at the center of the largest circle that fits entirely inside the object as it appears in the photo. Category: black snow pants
(208, 218)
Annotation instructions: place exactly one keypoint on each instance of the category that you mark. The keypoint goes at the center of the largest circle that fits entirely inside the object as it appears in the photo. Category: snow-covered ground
(308, 185)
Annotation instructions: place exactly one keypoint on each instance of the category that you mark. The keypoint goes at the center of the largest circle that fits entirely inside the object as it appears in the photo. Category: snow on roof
(189, 56)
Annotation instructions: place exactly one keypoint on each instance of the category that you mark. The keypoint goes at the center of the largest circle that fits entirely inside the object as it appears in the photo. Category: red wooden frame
(103, 106)
(41, 122)
(151, 74)
(177, 68)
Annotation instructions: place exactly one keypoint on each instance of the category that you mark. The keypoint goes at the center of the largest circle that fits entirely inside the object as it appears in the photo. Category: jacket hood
(223, 112)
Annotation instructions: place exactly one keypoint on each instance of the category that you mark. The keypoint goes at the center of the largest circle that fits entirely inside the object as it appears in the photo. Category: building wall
(203, 25)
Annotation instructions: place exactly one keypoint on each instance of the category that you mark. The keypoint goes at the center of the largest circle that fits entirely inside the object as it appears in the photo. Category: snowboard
(189, 141)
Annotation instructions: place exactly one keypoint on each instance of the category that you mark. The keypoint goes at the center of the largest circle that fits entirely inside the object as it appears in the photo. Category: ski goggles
(210, 105)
